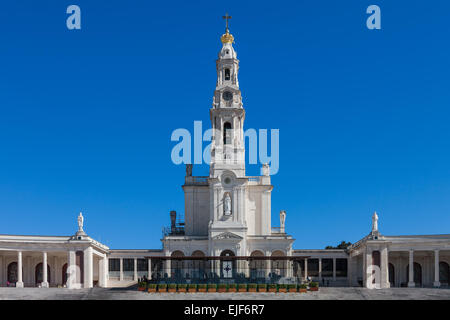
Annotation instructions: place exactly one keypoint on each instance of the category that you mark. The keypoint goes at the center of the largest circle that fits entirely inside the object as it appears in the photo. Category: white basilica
(227, 233)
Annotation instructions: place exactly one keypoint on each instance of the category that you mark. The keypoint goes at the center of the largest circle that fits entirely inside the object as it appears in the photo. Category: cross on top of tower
(226, 17)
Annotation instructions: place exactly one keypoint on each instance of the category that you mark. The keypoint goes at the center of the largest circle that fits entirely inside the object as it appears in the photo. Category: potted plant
(182, 287)
(201, 287)
(212, 287)
(232, 287)
(262, 287)
(303, 288)
(282, 287)
(242, 287)
(272, 287)
(162, 287)
(252, 287)
(292, 287)
(222, 287)
(314, 286)
(142, 285)
(192, 287)
(172, 287)
(151, 287)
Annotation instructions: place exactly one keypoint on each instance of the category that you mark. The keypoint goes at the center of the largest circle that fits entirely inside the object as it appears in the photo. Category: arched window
(197, 266)
(391, 274)
(257, 266)
(227, 133)
(39, 273)
(177, 265)
(227, 74)
(279, 266)
(444, 272)
(417, 273)
(227, 266)
(12, 272)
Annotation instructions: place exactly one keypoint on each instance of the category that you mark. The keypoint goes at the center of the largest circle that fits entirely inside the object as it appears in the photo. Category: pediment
(226, 236)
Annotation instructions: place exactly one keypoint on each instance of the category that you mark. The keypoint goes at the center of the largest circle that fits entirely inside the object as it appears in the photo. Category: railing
(198, 181)
(277, 230)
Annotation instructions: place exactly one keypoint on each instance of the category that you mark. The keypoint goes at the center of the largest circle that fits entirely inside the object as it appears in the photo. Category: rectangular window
(327, 267)
(313, 267)
(128, 264)
(114, 264)
(142, 265)
(341, 267)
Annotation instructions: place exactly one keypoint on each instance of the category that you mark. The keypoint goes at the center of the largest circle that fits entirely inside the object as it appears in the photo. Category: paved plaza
(132, 294)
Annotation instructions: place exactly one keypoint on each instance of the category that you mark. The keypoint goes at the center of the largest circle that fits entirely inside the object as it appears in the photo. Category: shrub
(212, 286)
(313, 284)
(303, 286)
(222, 286)
(151, 286)
(202, 286)
(282, 286)
(272, 286)
(162, 286)
(182, 286)
(172, 286)
(242, 286)
(142, 284)
(192, 286)
(262, 286)
(252, 285)
(292, 286)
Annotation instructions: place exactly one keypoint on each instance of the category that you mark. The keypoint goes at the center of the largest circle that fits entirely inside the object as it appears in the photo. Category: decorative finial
(227, 37)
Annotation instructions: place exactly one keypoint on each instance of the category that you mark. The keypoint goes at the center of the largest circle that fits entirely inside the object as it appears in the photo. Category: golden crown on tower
(227, 37)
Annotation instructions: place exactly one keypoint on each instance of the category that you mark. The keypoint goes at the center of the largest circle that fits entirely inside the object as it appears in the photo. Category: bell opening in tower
(227, 133)
(227, 74)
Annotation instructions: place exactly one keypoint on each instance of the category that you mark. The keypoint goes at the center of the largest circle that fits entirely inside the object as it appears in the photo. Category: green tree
(342, 245)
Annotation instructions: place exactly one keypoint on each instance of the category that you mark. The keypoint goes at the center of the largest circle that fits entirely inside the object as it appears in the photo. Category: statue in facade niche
(189, 170)
(227, 204)
(282, 219)
(266, 169)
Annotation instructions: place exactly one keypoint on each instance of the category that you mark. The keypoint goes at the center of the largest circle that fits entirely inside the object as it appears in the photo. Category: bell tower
(227, 113)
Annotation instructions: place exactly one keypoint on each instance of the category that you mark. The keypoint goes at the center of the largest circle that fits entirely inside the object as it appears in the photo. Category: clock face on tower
(227, 96)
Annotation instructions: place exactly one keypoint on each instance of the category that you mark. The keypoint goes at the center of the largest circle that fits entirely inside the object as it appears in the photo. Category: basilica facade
(227, 233)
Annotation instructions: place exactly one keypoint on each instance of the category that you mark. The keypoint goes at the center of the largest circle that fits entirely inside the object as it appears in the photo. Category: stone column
(384, 257)
(121, 269)
(306, 269)
(19, 283)
(320, 269)
(88, 268)
(334, 269)
(367, 269)
(44, 283)
(1, 271)
(149, 269)
(289, 271)
(436, 282)
(135, 276)
(103, 272)
(72, 271)
(411, 269)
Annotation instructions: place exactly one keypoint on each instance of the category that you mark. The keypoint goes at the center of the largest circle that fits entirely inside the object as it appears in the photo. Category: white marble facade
(226, 214)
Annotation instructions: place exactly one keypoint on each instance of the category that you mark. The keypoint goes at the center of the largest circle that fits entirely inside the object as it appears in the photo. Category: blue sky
(86, 116)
